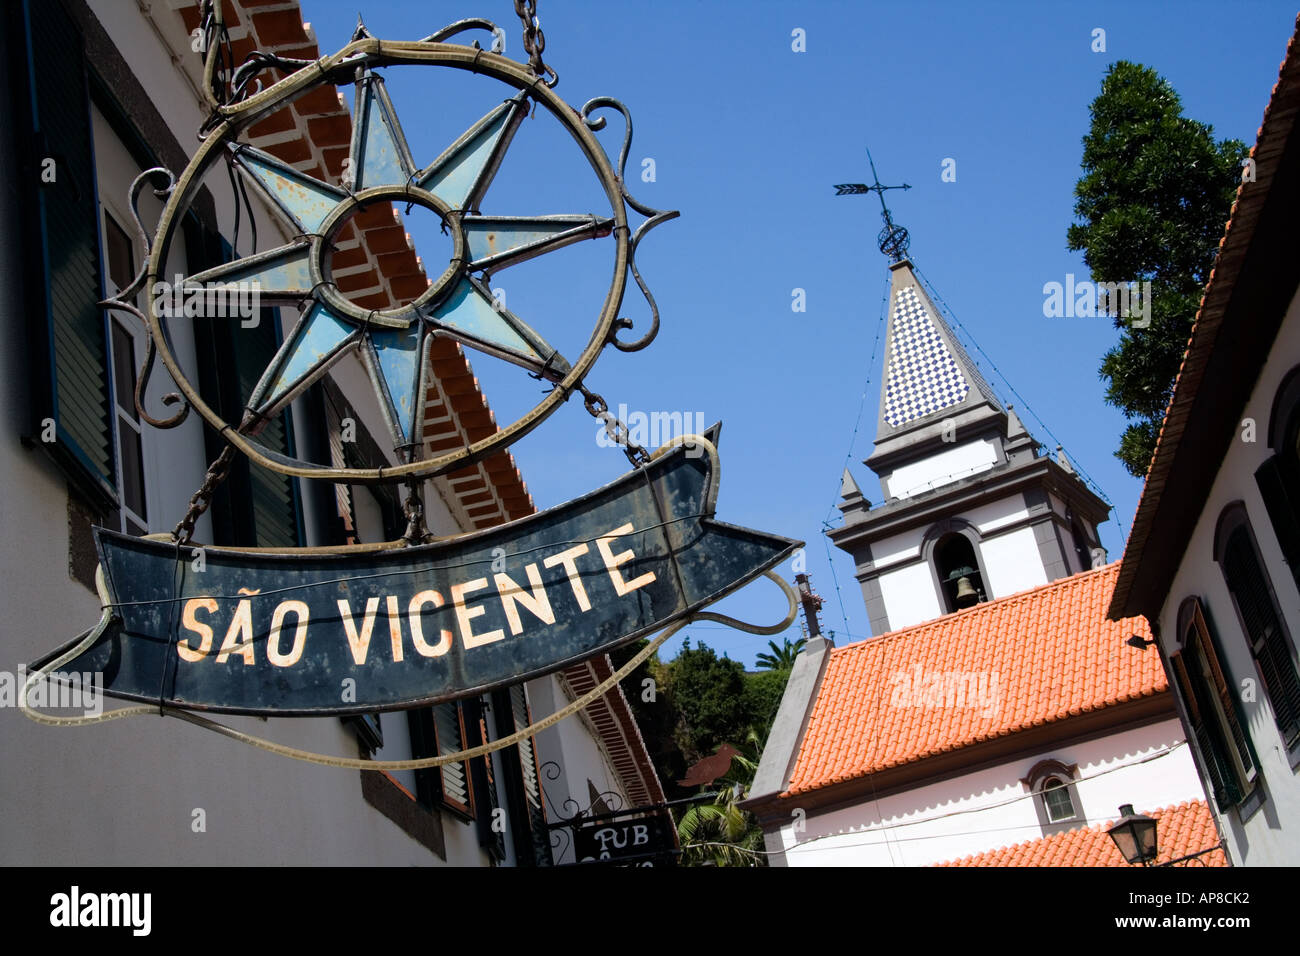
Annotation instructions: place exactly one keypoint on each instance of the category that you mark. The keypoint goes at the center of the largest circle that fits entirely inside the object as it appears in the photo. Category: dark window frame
(27, 22)
(1037, 780)
(1202, 682)
(1278, 478)
(1273, 653)
(427, 741)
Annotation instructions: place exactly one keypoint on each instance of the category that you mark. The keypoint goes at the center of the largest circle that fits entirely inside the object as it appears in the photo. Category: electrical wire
(951, 316)
(808, 844)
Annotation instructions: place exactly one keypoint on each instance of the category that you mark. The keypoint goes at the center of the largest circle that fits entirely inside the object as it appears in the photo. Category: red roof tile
(988, 671)
(1180, 831)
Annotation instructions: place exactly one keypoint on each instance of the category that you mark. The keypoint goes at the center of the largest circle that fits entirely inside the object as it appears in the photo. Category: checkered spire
(926, 369)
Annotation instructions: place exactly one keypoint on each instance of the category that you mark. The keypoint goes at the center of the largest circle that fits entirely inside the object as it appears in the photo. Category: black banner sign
(310, 634)
(638, 841)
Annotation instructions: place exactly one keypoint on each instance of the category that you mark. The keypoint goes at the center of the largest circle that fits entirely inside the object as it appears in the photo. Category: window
(61, 244)
(1057, 801)
(959, 577)
(1055, 798)
(521, 779)
(1261, 621)
(1279, 477)
(131, 514)
(441, 730)
(1226, 754)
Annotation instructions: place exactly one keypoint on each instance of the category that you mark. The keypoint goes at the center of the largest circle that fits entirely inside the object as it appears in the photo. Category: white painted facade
(909, 595)
(152, 791)
(1012, 563)
(1148, 766)
(1264, 837)
(943, 468)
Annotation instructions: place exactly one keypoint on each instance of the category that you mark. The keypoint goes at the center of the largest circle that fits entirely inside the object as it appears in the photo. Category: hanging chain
(534, 40)
(413, 508)
(617, 431)
(201, 499)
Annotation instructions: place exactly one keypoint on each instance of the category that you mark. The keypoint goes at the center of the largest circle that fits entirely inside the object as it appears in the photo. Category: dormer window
(958, 571)
(1056, 800)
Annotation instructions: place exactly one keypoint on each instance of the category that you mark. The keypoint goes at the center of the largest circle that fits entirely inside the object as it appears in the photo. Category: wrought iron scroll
(655, 217)
(121, 301)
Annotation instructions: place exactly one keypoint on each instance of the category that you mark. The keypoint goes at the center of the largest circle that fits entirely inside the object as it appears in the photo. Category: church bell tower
(972, 507)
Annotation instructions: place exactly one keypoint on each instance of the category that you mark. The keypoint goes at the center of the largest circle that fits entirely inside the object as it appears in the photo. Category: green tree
(763, 690)
(719, 832)
(781, 658)
(708, 694)
(1156, 191)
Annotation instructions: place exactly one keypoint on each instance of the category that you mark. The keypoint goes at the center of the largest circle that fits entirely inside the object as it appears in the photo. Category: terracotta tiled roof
(989, 671)
(1180, 831)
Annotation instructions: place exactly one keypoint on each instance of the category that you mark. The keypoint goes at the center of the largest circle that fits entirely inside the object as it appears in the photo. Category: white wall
(909, 596)
(1268, 838)
(1012, 562)
(991, 808)
(944, 468)
(577, 759)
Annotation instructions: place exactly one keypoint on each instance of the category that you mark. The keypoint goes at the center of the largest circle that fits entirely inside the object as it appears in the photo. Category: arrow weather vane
(893, 240)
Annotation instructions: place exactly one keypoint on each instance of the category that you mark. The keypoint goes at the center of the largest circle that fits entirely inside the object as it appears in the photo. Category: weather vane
(893, 239)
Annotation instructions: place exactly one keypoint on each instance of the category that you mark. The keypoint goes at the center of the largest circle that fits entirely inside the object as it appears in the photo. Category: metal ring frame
(341, 67)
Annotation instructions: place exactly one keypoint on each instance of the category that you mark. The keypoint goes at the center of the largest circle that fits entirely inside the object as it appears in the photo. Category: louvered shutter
(1269, 644)
(1279, 486)
(274, 497)
(531, 775)
(454, 777)
(254, 507)
(338, 459)
(483, 780)
(63, 247)
(1207, 742)
(1222, 736)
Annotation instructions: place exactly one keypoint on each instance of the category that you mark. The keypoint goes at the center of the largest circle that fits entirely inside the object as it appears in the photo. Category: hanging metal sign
(645, 839)
(342, 634)
(370, 628)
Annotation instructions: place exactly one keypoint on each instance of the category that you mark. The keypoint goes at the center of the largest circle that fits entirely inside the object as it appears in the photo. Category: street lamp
(1135, 836)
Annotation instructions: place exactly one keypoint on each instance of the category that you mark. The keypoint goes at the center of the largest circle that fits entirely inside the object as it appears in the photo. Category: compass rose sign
(415, 621)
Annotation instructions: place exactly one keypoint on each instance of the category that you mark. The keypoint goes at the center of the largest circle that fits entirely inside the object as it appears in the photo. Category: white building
(113, 89)
(1213, 561)
(998, 716)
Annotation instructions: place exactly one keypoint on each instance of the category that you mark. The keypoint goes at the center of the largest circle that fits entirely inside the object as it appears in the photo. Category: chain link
(201, 499)
(617, 431)
(534, 40)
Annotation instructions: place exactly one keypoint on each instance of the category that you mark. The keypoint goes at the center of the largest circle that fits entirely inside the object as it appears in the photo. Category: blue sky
(747, 137)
